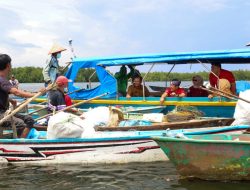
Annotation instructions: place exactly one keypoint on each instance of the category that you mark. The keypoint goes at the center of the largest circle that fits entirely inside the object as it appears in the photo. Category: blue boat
(217, 107)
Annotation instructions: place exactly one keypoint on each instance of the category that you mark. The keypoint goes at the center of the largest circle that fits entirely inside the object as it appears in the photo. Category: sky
(122, 27)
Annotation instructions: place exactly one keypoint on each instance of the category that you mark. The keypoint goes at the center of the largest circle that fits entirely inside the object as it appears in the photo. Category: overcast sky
(121, 27)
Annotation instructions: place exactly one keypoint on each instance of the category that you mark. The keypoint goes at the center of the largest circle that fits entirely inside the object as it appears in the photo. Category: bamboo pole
(236, 97)
(67, 94)
(12, 113)
(74, 105)
(213, 91)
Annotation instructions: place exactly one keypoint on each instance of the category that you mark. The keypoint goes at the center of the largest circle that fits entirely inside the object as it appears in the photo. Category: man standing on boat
(23, 122)
(51, 69)
(122, 79)
(218, 73)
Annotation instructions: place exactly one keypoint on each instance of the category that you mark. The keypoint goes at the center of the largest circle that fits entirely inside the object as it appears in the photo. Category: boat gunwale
(199, 141)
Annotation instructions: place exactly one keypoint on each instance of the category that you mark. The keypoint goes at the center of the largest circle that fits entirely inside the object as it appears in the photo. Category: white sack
(242, 110)
(93, 117)
(64, 125)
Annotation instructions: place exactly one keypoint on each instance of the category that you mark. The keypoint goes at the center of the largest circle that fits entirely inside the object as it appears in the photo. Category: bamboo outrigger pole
(74, 105)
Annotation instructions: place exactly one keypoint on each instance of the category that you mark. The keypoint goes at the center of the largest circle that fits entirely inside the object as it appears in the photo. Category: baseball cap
(62, 80)
(175, 82)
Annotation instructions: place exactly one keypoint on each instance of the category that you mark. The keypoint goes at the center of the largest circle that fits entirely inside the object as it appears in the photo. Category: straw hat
(224, 85)
(115, 115)
(56, 48)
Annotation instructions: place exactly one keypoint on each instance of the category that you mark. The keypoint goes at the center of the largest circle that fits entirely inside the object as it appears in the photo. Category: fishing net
(184, 113)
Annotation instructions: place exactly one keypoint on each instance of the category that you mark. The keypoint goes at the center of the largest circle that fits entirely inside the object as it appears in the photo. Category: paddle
(74, 105)
(12, 113)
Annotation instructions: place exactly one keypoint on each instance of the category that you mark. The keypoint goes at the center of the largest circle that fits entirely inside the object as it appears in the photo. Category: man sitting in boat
(122, 79)
(173, 91)
(136, 89)
(218, 73)
(57, 100)
(23, 122)
(195, 90)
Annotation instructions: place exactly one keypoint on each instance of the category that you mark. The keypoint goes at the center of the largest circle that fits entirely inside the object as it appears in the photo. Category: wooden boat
(209, 157)
(198, 123)
(101, 148)
(216, 107)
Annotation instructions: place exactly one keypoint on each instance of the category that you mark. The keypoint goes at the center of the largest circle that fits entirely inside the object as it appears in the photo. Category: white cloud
(104, 27)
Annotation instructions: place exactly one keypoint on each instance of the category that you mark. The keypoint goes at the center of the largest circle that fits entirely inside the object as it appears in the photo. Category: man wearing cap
(218, 73)
(173, 91)
(51, 69)
(13, 81)
(57, 100)
(23, 122)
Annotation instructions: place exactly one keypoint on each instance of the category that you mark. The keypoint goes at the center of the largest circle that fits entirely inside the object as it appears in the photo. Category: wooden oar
(234, 96)
(12, 113)
(74, 105)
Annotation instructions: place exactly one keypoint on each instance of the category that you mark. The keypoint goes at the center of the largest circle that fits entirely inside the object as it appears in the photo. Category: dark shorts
(20, 121)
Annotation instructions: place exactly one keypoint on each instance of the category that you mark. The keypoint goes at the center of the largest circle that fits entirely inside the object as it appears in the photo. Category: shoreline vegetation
(34, 75)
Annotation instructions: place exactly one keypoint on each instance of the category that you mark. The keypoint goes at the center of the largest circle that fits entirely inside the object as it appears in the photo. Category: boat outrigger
(216, 107)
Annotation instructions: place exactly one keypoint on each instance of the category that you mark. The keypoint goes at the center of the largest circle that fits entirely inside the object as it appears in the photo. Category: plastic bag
(242, 110)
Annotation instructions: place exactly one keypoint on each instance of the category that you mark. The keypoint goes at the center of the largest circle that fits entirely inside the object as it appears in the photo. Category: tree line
(34, 75)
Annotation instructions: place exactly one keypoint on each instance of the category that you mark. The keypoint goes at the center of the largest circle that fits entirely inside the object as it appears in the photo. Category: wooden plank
(174, 125)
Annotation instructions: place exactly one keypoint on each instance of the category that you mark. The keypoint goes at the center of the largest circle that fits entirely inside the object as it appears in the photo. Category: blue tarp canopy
(109, 84)
(224, 56)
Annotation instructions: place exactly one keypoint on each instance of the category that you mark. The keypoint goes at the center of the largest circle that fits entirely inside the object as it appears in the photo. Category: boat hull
(81, 151)
(213, 157)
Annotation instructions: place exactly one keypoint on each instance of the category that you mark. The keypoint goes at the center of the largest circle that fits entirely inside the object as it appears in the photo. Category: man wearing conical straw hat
(51, 69)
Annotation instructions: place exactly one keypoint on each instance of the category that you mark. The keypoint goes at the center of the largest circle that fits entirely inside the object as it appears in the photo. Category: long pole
(213, 91)
(236, 97)
(12, 113)
(74, 105)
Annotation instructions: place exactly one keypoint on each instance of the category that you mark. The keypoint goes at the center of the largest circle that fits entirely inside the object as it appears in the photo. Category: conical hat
(224, 85)
(56, 48)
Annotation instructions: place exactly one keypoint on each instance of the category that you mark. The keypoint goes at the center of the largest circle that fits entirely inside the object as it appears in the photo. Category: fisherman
(219, 73)
(136, 89)
(51, 69)
(173, 91)
(13, 81)
(23, 123)
(57, 100)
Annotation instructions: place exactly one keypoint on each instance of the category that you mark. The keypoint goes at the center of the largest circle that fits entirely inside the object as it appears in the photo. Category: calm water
(137, 176)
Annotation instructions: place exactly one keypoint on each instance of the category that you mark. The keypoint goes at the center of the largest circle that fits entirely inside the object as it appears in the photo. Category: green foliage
(34, 75)
(162, 76)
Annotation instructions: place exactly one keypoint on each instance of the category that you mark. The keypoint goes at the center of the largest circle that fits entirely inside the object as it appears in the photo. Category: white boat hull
(81, 151)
